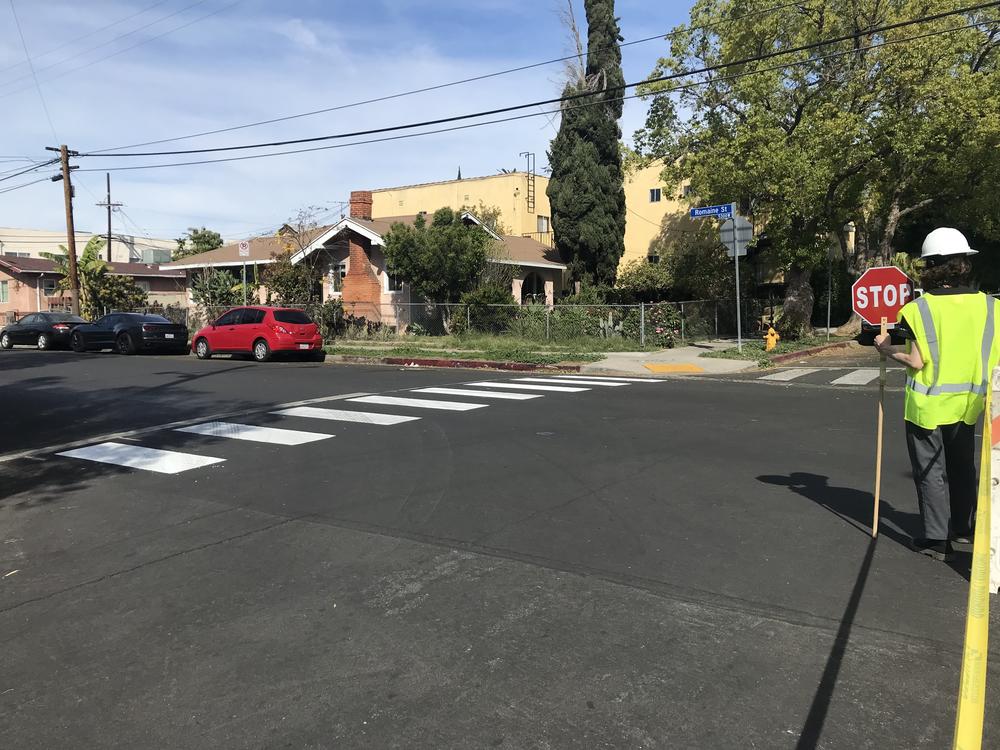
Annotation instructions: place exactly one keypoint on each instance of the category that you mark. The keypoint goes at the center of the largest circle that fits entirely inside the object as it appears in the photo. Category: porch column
(550, 293)
(515, 289)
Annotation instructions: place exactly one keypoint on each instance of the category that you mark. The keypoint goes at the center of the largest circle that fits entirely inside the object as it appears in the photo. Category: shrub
(488, 309)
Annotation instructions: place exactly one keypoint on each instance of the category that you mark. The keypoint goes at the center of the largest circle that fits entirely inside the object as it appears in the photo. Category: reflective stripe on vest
(934, 351)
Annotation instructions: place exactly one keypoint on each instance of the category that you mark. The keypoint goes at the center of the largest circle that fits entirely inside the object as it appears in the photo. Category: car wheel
(202, 349)
(44, 341)
(76, 343)
(261, 351)
(5, 341)
(124, 344)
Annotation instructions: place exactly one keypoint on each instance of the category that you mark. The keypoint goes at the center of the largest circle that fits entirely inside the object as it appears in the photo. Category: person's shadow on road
(849, 504)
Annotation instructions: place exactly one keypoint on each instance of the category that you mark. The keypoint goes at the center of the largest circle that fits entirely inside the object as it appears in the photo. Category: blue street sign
(726, 209)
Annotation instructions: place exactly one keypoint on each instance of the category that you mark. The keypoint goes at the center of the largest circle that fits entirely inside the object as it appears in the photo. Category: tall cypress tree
(586, 189)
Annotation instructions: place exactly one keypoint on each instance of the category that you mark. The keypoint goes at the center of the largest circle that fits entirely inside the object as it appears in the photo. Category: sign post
(877, 297)
(735, 234)
(244, 253)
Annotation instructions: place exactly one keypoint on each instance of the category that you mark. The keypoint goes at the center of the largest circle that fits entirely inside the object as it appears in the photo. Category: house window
(392, 281)
(50, 287)
(4, 292)
(654, 195)
(686, 191)
(543, 224)
(142, 284)
(337, 273)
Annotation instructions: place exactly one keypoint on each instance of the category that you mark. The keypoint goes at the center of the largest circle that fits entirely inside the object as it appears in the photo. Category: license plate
(303, 346)
(168, 335)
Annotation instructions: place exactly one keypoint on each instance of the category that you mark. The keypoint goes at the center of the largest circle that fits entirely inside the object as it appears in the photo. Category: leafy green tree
(214, 288)
(490, 215)
(196, 241)
(644, 281)
(440, 260)
(100, 290)
(290, 283)
(586, 188)
(873, 136)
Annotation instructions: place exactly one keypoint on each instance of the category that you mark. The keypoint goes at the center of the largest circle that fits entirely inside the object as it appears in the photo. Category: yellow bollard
(771, 339)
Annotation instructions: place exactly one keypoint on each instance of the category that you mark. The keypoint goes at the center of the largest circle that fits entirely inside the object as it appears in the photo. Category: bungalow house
(32, 285)
(351, 256)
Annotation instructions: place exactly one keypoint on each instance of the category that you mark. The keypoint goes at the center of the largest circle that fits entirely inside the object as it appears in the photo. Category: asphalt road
(677, 564)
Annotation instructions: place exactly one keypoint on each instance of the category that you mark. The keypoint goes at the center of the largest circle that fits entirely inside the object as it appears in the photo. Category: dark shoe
(939, 549)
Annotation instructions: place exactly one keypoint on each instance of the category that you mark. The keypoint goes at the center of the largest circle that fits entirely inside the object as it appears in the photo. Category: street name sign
(879, 293)
(244, 249)
(726, 209)
(739, 231)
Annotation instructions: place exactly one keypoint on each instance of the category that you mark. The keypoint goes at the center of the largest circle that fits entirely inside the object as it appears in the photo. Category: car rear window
(65, 318)
(296, 317)
(152, 319)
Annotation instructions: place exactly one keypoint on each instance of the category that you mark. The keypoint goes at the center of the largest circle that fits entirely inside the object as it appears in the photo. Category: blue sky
(225, 62)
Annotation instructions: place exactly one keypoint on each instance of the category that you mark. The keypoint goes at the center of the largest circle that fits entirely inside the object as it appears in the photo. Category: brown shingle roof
(261, 249)
(44, 265)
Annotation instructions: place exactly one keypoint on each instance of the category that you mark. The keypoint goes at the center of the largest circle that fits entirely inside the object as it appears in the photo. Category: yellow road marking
(657, 367)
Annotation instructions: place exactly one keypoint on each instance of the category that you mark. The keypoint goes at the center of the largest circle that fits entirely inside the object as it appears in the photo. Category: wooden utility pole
(74, 279)
(109, 205)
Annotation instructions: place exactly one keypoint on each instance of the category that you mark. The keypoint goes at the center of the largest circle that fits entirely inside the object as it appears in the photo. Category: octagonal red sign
(879, 293)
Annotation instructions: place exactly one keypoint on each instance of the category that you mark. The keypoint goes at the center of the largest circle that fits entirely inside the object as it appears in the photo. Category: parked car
(129, 333)
(259, 331)
(44, 330)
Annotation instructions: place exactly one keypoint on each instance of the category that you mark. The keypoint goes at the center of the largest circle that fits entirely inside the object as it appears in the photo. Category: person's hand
(883, 343)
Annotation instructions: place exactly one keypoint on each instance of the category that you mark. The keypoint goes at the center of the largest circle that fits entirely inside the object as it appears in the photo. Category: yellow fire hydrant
(771, 339)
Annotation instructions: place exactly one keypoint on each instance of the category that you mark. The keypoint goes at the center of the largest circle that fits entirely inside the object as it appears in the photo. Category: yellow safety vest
(956, 335)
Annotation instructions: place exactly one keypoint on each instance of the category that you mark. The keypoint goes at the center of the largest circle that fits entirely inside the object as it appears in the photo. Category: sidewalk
(679, 360)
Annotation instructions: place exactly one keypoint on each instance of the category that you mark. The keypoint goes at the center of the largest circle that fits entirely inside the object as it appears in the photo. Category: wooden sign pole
(878, 439)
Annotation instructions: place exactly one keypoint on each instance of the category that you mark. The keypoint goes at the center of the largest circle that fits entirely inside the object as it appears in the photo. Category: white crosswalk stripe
(481, 394)
(528, 386)
(418, 403)
(567, 381)
(857, 377)
(790, 374)
(139, 457)
(254, 433)
(342, 415)
(611, 378)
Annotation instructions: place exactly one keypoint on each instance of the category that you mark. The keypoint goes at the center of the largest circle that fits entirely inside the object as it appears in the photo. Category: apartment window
(654, 195)
(50, 287)
(392, 281)
(16, 254)
(337, 273)
(686, 191)
(653, 259)
(4, 292)
(543, 224)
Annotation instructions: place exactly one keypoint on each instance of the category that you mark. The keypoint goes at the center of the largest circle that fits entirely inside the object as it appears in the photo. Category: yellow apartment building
(651, 207)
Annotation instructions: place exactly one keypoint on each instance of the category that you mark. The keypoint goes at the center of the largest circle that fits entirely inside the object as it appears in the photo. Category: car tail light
(147, 329)
(60, 327)
(281, 329)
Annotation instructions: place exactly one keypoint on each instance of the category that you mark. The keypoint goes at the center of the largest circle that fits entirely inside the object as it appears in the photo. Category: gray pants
(944, 470)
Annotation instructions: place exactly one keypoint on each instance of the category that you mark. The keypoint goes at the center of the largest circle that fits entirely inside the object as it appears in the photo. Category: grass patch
(753, 349)
(500, 354)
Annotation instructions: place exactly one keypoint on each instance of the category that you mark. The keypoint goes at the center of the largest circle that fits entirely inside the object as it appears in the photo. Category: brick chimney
(361, 204)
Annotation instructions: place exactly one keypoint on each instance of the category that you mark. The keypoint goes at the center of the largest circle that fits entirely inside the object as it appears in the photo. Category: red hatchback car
(259, 331)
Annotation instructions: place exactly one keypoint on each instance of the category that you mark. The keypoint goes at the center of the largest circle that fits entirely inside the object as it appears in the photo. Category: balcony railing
(544, 237)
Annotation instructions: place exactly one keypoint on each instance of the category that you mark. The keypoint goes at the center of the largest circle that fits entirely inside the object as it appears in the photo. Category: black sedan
(129, 333)
(45, 330)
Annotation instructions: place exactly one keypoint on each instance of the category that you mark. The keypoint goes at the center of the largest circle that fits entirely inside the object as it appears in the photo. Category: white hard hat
(945, 241)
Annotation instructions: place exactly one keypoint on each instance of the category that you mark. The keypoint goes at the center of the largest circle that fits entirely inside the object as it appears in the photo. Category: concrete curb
(469, 364)
(778, 359)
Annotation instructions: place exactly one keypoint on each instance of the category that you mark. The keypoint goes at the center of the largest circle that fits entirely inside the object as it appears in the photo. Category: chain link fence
(648, 325)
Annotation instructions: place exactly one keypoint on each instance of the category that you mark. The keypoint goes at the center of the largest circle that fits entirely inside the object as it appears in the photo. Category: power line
(24, 185)
(680, 87)
(104, 44)
(126, 49)
(31, 66)
(29, 169)
(89, 34)
(567, 98)
(437, 87)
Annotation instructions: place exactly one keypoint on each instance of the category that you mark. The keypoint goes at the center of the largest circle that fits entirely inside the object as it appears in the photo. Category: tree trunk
(796, 312)
(852, 327)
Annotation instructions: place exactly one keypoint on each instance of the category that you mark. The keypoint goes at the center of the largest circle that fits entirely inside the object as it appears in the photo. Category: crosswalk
(405, 406)
(836, 377)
